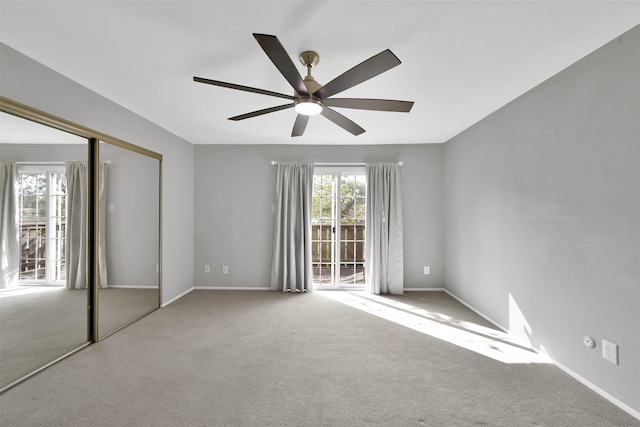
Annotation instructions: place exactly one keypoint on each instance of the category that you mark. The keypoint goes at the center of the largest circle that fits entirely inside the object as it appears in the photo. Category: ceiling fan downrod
(309, 105)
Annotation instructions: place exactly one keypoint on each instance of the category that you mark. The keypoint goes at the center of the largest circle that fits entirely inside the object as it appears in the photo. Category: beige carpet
(260, 358)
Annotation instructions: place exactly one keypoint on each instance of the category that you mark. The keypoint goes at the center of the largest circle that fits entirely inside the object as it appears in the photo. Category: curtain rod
(39, 163)
(273, 162)
(52, 163)
(57, 164)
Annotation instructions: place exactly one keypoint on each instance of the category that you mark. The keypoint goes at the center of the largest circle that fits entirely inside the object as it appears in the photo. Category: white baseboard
(232, 288)
(478, 312)
(582, 380)
(600, 391)
(424, 289)
(177, 297)
(131, 287)
(215, 288)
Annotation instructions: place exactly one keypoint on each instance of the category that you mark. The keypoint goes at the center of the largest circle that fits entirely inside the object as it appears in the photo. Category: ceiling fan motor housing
(311, 84)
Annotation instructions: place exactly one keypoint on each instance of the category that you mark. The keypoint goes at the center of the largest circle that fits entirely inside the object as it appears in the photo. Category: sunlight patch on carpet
(488, 342)
(27, 290)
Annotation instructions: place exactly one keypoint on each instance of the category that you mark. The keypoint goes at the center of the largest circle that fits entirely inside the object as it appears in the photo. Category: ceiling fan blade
(370, 104)
(373, 66)
(342, 121)
(244, 88)
(300, 125)
(261, 112)
(281, 59)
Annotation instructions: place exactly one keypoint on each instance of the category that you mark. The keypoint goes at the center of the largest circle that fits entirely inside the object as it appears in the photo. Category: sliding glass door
(338, 224)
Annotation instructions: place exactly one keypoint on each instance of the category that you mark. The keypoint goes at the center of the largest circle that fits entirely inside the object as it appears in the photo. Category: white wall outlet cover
(610, 351)
(589, 341)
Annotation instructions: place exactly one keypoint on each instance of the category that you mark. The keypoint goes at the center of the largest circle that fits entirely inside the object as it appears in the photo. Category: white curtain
(291, 264)
(384, 267)
(9, 234)
(77, 222)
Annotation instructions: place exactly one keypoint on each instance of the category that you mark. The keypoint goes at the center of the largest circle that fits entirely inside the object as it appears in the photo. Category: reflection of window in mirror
(42, 223)
(34, 156)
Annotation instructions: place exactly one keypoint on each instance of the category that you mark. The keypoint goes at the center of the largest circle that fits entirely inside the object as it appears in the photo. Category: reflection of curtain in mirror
(77, 221)
(9, 237)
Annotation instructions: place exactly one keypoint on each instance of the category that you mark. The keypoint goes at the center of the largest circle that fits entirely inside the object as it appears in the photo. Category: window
(42, 223)
(338, 224)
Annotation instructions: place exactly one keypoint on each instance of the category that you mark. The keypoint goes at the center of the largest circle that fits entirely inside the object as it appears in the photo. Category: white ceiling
(461, 60)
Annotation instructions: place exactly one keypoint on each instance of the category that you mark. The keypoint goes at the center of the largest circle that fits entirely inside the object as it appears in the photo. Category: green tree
(352, 197)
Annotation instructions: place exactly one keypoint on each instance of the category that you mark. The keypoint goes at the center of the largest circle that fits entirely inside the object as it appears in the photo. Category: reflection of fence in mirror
(131, 222)
(41, 319)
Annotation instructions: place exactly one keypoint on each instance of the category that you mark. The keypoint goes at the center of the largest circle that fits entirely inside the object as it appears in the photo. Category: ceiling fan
(310, 97)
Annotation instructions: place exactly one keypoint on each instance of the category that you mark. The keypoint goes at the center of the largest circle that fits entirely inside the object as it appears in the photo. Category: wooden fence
(352, 243)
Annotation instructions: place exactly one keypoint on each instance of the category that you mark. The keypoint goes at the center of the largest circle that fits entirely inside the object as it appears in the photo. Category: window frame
(48, 169)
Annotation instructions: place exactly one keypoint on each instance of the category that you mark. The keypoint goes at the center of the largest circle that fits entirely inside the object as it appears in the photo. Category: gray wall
(44, 152)
(235, 188)
(28, 82)
(542, 207)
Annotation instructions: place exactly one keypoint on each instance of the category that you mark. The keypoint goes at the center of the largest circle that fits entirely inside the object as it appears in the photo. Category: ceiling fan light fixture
(308, 106)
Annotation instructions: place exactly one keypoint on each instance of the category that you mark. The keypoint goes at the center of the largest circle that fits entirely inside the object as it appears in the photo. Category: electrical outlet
(610, 351)
(427, 269)
(225, 269)
(207, 268)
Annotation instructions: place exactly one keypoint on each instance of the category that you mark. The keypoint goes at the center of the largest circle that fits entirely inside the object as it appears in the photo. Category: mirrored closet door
(80, 230)
(42, 317)
(128, 271)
